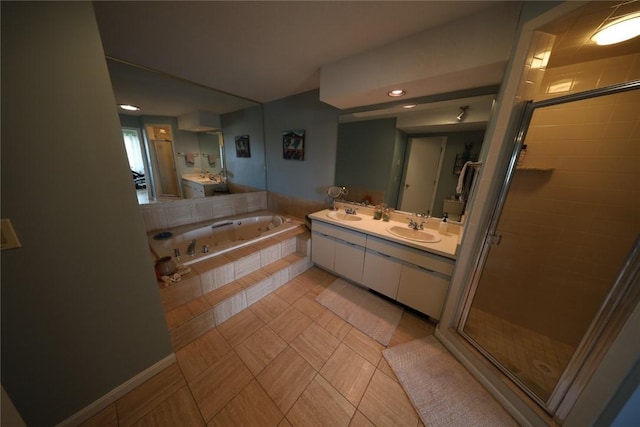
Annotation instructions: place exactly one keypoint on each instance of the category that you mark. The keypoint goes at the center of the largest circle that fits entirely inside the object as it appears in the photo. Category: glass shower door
(563, 228)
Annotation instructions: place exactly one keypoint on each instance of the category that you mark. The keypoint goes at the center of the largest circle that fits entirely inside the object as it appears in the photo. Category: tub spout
(191, 249)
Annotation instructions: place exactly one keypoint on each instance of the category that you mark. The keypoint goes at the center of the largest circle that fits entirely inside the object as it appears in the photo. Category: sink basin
(343, 216)
(415, 235)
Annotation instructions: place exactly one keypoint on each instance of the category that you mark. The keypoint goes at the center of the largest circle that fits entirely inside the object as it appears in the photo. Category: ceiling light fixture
(129, 107)
(620, 30)
(463, 112)
(397, 92)
(409, 106)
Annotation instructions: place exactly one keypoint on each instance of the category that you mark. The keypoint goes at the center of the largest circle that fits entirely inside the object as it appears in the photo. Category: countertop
(446, 247)
(199, 180)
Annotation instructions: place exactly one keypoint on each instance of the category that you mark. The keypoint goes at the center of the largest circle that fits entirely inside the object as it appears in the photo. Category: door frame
(616, 308)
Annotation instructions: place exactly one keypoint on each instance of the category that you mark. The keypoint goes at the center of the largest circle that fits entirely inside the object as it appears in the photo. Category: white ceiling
(262, 50)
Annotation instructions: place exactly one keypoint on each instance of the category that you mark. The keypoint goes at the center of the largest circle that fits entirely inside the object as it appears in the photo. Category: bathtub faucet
(191, 249)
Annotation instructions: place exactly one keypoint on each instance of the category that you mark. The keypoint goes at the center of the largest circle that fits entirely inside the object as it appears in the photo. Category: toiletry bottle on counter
(442, 228)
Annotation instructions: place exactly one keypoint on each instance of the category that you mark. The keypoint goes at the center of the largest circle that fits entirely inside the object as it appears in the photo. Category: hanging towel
(212, 159)
(463, 172)
(190, 158)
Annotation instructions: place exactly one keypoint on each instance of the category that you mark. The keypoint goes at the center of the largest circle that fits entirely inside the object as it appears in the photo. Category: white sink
(415, 235)
(343, 216)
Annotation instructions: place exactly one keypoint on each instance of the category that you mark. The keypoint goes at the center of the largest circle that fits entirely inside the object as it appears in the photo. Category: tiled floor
(284, 361)
(537, 360)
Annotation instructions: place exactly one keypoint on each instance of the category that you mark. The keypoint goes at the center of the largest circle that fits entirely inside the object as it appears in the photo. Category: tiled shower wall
(573, 210)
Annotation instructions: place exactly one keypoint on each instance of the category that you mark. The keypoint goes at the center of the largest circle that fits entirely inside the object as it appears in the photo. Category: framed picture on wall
(293, 144)
(243, 146)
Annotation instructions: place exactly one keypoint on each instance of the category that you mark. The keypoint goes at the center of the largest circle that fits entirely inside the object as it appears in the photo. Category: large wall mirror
(187, 140)
(410, 156)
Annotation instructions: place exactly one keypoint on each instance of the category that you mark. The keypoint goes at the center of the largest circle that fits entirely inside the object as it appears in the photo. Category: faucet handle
(176, 253)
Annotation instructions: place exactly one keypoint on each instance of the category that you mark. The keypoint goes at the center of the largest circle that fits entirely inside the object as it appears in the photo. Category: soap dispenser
(442, 227)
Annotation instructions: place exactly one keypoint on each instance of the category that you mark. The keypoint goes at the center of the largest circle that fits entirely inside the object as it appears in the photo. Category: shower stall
(561, 257)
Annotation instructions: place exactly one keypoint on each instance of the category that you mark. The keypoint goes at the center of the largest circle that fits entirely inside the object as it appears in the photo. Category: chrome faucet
(414, 224)
(191, 249)
(350, 211)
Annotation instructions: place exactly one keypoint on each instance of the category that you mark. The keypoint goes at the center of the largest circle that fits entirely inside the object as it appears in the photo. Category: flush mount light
(129, 107)
(409, 106)
(620, 30)
(397, 92)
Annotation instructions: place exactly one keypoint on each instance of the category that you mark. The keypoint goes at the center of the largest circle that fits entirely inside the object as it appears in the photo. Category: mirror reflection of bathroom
(174, 141)
(412, 159)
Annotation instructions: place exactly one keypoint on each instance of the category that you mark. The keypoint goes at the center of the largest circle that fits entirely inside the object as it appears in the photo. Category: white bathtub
(219, 236)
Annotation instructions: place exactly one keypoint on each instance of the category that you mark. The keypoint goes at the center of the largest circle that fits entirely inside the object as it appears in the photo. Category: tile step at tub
(192, 319)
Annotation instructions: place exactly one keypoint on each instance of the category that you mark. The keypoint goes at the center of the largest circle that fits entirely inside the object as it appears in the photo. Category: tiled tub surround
(218, 236)
(220, 287)
(160, 216)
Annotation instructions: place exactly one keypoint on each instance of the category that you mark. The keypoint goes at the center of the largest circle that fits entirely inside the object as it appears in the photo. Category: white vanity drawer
(413, 256)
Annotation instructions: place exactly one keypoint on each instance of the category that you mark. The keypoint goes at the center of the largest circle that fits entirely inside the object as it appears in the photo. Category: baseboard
(115, 394)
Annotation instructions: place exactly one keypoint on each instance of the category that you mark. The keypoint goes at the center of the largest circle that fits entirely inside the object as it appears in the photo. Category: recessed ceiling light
(619, 30)
(409, 106)
(129, 107)
(397, 92)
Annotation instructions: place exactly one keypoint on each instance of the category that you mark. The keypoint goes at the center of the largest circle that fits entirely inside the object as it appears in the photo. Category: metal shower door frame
(618, 303)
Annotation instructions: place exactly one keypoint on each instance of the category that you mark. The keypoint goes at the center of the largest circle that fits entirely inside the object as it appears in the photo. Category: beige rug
(371, 314)
(443, 392)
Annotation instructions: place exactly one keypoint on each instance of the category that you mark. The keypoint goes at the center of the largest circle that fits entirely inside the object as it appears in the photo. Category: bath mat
(369, 313)
(443, 392)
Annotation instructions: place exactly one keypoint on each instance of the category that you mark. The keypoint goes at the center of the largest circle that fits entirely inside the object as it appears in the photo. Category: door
(421, 176)
(555, 256)
(166, 179)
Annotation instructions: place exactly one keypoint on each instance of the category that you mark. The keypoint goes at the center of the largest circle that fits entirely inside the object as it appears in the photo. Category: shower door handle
(494, 239)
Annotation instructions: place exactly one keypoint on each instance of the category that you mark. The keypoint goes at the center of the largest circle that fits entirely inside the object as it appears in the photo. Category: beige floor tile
(360, 420)
(294, 289)
(317, 275)
(252, 407)
(179, 409)
(269, 307)
(239, 327)
(285, 423)
(321, 405)
(108, 417)
(309, 307)
(192, 329)
(316, 345)
(349, 373)
(364, 345)
(219, 384)
(141, 400)
(411, 326)
(260, 349)
(386, 404)
(201, 353)
(290, 323)
(285, 378)
(383, 366)
(178, 316)
(335, 325)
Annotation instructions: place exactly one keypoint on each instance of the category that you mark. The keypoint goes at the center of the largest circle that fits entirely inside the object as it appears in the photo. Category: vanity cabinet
(423, 290)
(417, 278)
(192, 190)
(339, 250)
(381, 273)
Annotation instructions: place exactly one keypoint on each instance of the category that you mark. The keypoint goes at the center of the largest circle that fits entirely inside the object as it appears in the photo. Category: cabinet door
(423, 290)
(381, 273)
(349, 260)
(323, 250)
